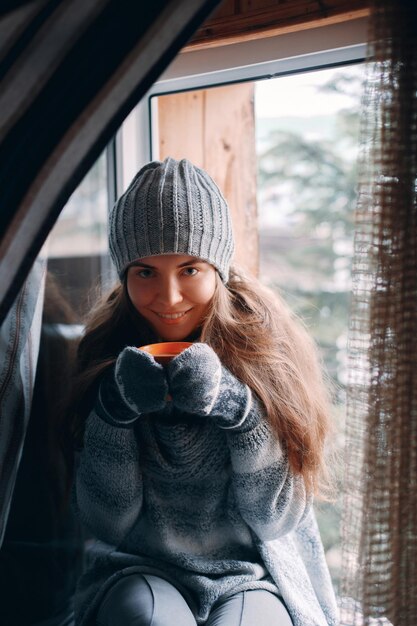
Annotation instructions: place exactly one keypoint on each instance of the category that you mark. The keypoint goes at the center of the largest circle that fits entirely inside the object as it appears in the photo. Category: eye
(190, 271)
(144, 273)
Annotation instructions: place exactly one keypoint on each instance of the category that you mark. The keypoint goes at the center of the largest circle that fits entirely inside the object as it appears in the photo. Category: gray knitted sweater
(202, 497)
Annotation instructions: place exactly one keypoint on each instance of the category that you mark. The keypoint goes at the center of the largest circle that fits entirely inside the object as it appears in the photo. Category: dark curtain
(380, 505)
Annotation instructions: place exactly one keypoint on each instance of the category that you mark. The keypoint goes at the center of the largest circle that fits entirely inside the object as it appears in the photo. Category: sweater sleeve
(271, 498)
(109, 487)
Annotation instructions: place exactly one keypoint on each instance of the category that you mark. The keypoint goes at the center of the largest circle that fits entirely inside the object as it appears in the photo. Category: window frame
(269, 57)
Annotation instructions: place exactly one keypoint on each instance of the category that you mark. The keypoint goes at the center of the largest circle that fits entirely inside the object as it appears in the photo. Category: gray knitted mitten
(136, 385)
(200, 385)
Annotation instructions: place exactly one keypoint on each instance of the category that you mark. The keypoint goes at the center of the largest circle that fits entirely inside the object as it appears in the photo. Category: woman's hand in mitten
(136, 385)
(194, 379)
(200, 385)
(141, 380)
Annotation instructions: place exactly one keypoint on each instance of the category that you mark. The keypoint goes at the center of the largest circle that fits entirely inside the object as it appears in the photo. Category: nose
(169, 293)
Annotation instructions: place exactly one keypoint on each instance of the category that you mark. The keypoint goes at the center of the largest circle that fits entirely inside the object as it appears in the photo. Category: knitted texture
(213, 511)
(201, 386)
(136, 385)
(171, 207)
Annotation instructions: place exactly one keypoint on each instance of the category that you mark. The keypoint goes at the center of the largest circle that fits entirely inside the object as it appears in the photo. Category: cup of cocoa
(165, 351)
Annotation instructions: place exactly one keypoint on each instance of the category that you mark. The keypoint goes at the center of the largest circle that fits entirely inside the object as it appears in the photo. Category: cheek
(205, 291)
(138, 297)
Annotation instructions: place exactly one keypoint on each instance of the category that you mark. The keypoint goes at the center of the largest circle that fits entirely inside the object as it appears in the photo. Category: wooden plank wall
(239, 20)
(215, 129)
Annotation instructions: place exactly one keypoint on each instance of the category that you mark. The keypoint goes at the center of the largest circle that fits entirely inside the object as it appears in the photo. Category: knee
(129, 602)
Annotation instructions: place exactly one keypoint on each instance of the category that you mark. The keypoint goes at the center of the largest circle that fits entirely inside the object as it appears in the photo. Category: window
(307, 173)
(77, 248)
(288, 203)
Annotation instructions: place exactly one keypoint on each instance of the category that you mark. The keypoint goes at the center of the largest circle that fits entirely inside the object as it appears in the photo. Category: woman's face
(172, 292)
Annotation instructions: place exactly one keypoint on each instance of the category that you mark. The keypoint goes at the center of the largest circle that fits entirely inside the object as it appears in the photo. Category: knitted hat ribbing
(171, 208)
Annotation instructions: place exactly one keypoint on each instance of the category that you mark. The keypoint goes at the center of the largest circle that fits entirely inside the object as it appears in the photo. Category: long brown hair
(260, 341)
(265, 345)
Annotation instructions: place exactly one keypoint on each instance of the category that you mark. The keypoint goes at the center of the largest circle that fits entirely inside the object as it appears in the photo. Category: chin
(180, 334)
(171, 334)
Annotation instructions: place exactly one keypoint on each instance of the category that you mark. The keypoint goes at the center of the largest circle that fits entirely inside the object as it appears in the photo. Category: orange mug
(165, 351)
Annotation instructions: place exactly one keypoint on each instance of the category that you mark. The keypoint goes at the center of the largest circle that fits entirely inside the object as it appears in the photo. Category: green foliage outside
(307, 174)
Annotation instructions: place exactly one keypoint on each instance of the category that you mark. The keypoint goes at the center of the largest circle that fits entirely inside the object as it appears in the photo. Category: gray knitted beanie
(171, 208)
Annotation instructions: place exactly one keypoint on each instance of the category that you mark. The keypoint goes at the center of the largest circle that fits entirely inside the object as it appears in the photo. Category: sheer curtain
(380, 500)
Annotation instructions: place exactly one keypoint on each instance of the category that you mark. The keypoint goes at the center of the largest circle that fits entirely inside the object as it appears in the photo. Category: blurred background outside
(307, 148)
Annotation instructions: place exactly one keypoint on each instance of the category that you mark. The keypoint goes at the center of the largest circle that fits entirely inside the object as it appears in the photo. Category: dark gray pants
(145, 600)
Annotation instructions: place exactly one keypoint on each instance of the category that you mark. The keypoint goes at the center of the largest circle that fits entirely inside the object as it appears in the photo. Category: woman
(197, 478)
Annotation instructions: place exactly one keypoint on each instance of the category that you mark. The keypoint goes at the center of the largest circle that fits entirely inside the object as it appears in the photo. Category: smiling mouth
(171, 316)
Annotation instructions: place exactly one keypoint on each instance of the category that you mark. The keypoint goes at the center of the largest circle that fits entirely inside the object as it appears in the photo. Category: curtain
(19, 348)
(379, 525)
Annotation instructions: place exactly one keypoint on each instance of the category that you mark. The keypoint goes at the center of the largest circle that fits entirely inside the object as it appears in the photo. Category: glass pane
(77, 247)
(307, 144)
